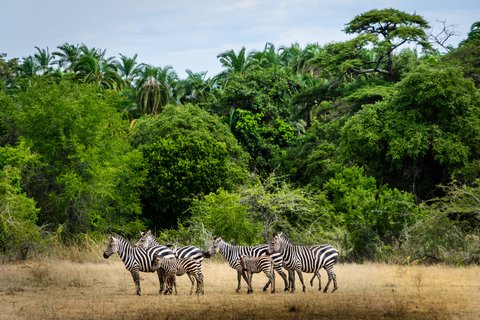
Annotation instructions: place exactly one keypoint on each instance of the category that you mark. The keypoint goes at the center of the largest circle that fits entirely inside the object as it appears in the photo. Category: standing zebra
(305, 259)
(178, 267)
(232, 254)
(253, 265)
(148, 240)
(137, 259)
(320, 249)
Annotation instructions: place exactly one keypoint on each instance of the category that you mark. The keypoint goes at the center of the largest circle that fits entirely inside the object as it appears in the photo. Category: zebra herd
(148, 255)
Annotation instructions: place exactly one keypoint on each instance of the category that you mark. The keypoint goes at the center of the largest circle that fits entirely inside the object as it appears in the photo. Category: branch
(441, 38)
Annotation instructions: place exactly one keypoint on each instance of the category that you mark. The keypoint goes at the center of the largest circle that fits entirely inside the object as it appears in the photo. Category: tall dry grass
(103, 289)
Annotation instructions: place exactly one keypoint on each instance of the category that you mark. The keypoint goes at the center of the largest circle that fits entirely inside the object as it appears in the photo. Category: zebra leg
(136, 280)
(316, 274)
(271, 278)
(291, 280)
(331, 276)
(266, 285)
(161, 280)
(240, 274)
(300, 276)
(199, 278)
(192, 280)
(249, 281)
(283, 275)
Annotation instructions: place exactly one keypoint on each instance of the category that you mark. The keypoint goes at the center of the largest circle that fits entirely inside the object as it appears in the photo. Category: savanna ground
(61, 289)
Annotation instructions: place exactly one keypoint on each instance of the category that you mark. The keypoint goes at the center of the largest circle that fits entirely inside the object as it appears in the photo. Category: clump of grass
(41, 276)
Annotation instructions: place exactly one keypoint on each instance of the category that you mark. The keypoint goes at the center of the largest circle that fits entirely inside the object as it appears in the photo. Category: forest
(370, 144)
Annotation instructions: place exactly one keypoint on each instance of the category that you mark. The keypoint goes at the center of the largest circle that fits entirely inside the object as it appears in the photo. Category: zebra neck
(124, 250)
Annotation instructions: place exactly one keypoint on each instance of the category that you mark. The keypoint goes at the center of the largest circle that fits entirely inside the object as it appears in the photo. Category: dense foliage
(370, 144)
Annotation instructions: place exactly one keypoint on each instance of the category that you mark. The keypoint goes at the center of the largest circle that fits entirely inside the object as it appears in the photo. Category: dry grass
(105, 290)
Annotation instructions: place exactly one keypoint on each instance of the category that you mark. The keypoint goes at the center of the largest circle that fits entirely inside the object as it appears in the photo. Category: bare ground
(105, 290)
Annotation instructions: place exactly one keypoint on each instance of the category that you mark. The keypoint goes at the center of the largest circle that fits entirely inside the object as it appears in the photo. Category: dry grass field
(105, 290)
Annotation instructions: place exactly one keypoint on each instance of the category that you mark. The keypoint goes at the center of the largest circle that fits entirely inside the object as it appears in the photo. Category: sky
(189, 34)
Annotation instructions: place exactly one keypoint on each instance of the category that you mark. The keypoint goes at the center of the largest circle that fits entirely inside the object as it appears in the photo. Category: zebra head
(215, 247)
(276, 243)
(112, 247)
(146, 239)
(242, 260)
(157, 262)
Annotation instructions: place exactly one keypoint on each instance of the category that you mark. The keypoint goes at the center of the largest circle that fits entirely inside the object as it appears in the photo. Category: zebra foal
(173, 267)
(137, 259)
(232, 254)
(253, 265)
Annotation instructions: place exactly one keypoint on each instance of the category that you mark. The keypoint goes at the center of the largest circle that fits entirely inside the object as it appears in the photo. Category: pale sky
(189, 34)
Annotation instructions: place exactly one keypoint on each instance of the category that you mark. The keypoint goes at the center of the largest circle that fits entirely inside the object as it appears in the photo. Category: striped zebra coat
(137, 259)
(148, 240)
(178, 267)
(253, 265)
(232, 254)
(305, 259)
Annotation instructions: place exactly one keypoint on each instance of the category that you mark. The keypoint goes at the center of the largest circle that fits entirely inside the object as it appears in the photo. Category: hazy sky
(189, 34)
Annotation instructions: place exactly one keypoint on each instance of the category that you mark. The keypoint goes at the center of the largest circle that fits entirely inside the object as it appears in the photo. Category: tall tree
(67, 56)
(154, 88)
(128, 68)
(389, 29)
(44, 60)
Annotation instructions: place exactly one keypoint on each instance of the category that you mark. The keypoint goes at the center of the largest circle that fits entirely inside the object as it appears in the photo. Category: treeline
(371, 145)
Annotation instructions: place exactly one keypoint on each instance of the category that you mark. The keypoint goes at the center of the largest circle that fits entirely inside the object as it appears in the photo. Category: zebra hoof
(265, 289)
(286, 289)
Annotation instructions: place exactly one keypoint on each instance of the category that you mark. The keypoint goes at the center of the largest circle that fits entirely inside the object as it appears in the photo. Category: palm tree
(28, 67)
(43, 58)
(290, 56)
(67, 56)
(192, 89)
(265, 59)
(93, 67)
(154, 88)
(128, 68)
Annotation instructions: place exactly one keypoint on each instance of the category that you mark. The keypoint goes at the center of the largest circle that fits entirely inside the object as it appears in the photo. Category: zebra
(148, 240)
(328, 267)
(253, 265)
(137, 259)
(173, 267)
(232, 254)
(305, 259)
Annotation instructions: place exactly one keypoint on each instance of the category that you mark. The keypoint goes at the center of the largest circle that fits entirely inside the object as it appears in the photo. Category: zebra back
(232, 253)
(148, 240)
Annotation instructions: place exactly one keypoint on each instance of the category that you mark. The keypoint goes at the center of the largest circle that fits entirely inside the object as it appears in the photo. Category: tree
(93, 67)
(154, 88)
(388, 29)
(128, 68)
(67, 56)
(87, 176)
(8, 71)
(44, 60)
(427, 132)
(18, 213)
(188, 152)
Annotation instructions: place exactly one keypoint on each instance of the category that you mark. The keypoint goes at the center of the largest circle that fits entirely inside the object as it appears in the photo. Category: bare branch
(441, 37)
